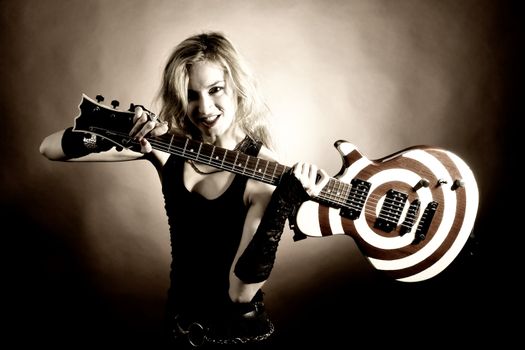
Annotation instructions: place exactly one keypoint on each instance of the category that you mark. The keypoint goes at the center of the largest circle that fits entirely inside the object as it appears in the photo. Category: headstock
(104, 121)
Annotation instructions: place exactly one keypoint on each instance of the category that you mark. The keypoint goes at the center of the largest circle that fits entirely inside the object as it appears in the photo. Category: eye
(216, 89)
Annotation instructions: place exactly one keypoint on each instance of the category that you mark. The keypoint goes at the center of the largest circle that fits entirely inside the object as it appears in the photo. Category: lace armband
(256, 262)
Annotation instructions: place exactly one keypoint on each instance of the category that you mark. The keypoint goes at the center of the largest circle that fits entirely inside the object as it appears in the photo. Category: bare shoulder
(268, 154)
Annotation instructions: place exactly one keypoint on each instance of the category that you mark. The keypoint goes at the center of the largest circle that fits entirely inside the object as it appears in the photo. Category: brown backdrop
(86, 246)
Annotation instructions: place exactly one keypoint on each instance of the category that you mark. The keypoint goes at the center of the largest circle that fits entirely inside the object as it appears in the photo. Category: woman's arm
(259, 195)
(51, 148)
(67, 145)
(268, 211)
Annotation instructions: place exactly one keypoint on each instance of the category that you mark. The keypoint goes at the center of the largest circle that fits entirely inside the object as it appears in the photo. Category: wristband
(78, 144)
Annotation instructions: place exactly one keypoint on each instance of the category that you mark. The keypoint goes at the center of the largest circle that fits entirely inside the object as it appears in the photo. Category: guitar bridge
(424, 223)
(410, 218)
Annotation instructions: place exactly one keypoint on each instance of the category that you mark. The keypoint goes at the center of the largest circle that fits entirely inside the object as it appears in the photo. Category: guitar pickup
(356, 199)
(391, 210)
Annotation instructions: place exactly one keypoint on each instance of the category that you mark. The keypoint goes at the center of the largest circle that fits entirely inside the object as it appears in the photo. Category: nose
(205, 104)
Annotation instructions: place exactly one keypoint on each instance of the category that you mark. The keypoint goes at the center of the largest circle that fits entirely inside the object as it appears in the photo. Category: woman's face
(211, 102)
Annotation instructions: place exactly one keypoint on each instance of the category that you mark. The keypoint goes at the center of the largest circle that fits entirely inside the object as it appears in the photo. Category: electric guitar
(410, 213)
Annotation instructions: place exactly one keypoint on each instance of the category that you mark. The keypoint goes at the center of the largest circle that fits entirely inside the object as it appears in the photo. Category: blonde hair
(212, 47)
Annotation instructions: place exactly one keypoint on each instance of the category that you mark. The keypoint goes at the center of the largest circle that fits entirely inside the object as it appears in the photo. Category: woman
(224, 228)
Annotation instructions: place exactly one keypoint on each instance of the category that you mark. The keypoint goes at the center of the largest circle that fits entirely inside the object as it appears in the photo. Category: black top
(205, 235)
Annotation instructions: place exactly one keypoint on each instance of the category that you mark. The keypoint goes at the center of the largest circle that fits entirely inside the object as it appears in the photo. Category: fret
(251, 164)
(235, 161)
(185, 146)
(270, 170)
(325, 192)
(171, 141)
(346, 191)
(341, 190)
(211, 154)
(205, 153)
(241, 162)
(336, 190)
(280, 174)
(256, 170)
(246, 163)
(198, 151)
(265, 168)
(220, 155)
(255, 167)
(195, 145)
(229, 159)
(274, 169)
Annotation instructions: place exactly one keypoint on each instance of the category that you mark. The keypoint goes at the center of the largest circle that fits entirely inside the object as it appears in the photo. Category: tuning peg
(131, 107)
(115, 104)
(99, 98)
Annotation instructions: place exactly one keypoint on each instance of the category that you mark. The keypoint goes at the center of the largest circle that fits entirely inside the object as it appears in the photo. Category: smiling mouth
(210, 121)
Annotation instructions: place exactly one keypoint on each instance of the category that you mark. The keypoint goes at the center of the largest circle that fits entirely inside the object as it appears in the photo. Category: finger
(140, 117)
(159, 129)
(152, 117)
(138, 112)
(150, 129)
(302, 173)
(297, 169)
(322, 180)
(145, 146)
(312, 173)
(310, 178)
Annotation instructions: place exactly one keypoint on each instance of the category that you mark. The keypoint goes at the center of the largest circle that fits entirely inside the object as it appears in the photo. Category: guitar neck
(221, 158)
(335, 193)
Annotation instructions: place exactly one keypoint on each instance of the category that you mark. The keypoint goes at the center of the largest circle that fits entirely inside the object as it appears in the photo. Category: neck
(228, 140)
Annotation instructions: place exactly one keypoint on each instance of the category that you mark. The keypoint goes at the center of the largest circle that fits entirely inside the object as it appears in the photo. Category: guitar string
(356, 206)
(328, 196)
(384, 214)
(216, 170)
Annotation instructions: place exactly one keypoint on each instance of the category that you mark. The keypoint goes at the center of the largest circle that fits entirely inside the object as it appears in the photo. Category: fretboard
(334, 194)
(221, 158)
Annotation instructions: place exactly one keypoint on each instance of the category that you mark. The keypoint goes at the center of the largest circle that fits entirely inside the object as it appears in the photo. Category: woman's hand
(145, 124)
(311, 177)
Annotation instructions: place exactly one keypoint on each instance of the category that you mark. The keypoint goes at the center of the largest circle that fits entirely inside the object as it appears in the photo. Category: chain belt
(196, 335)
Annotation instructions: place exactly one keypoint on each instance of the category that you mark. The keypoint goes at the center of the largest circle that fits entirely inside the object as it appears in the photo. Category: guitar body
(410, 213)
(418, 213)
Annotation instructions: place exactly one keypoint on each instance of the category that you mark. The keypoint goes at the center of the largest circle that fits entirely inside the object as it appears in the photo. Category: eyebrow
(211, 85)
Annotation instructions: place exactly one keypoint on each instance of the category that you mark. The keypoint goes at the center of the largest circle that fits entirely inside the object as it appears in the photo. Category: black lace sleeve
(256, 262)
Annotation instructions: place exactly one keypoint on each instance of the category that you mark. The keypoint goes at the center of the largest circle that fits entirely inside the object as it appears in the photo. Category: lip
(210, 122)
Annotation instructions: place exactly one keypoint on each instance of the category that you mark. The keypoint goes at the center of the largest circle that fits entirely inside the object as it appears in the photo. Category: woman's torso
(206, 216)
